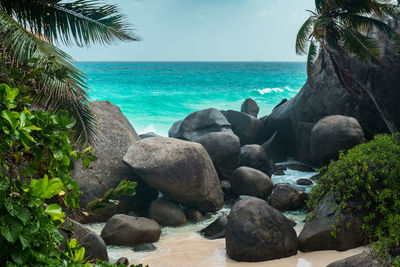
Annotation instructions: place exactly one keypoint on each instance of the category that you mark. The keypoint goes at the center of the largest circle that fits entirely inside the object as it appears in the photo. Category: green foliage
(368, 175)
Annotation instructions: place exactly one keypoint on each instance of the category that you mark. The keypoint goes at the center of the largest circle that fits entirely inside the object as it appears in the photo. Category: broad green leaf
(11, 93)
(10, 228)
(24, 215)
(32, 128)
(25, 239)
(55, 212)
(9, 116)
(79, 255)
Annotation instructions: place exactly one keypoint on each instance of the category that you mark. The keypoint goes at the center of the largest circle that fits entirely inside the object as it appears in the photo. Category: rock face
(363, 259)
(124, 230)
(216, 229)
(166, 213)
(251, 182)
(224, 150)
(274, 150)
(200, 123)
(254, 156)
(247, 127)
(332, 134)
(250, 107)
(115, 136)
(316, 234)
(287, 197)
(258, 232)
(323, 95)
(181, 170)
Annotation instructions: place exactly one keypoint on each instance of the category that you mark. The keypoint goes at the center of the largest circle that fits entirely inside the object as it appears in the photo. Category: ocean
(153, 95)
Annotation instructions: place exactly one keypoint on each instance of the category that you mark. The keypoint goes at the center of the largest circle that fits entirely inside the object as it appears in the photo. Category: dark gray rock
(274, 149)
(166, 213)
(286, 197)
(333, 134)
(95, 248)
(122, 261)
(250, 107)
(181, 170)
(224, 151)
(216, 229)
(148, 135)
(299, 167)
(257, 232)
(304, 181)
(200, 123)
(116, 134)
(254, 156)
(226, 187)
(194, 215)
(251, 182)
(364, 259)
(316, 234)
(148, 247)
(248, 128)
(124, 230)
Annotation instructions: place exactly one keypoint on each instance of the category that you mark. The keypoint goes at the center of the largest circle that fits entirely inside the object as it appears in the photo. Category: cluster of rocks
(210, 158)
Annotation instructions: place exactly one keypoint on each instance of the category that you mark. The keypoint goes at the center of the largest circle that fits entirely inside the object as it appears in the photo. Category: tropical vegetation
(365, 181)
(339, 29)
(29, 33)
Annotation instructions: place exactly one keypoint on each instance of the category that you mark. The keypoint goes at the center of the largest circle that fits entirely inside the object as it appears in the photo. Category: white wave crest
(148, 129)
(275, 90)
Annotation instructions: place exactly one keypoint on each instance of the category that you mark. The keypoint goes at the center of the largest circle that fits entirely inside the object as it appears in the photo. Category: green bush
(35, 184)
(369, 175)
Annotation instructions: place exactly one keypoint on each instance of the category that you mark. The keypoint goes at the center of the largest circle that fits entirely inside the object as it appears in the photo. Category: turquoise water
(153, 95)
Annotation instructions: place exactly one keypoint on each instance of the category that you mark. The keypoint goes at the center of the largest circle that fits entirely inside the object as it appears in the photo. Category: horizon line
(197, 61)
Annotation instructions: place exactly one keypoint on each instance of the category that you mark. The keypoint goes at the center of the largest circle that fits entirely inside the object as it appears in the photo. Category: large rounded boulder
(166, 213)
(254, 156)
(181, 170)
(317, 232)
(286, 197)
(247, 127)
(224, 150)
(115, 135)
(125, 230)
(257, 232)
(200, 123)
(251, 182)
(332, 134)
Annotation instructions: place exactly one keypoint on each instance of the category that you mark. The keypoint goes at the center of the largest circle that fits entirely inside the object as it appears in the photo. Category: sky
(206, 30)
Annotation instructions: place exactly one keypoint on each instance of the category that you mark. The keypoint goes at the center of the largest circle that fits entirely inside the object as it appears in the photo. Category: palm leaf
(62, 85)
(363, 47)
(303, 35)
(363, 23)
(312, 57)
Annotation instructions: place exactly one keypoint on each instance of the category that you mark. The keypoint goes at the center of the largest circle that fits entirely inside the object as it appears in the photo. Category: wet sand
(190, 249)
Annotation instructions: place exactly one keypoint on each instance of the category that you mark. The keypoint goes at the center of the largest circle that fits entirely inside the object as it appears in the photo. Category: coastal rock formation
(248, 128)
(257, 232)
(200, 123)
(217, 229)
(316, 234)
(254, 156)
(194, 215)
(364, 259)
(124, 230)
(274, 150)
(286, 197)
(181, 170)
(332, 134)
(224, 150)
(116, 134)
(166, 213)
(251, 182)
(323, 95)
(250, 107)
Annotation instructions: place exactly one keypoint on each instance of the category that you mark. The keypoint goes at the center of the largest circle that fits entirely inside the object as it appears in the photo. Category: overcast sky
(206, 30)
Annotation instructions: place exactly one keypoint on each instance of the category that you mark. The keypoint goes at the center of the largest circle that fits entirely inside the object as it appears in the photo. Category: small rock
(226, 187)
(250, 107)
(148, 135)
(279, 173)
(251, 182)
(304, 181)
(123, 261)
(95, 248)
(254, 156)
(147, 247)
(194, 215)
(166, 213)
(216, 229)
(287, 197)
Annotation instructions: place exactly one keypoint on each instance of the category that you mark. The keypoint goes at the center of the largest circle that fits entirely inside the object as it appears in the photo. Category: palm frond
(303, 35)
(362, 23)
(82, 21)
(62, 84)
(312, 57)
(363, 47)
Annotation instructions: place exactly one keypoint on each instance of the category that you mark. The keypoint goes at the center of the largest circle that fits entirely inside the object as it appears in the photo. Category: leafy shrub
(369, 175)
(35, 183)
